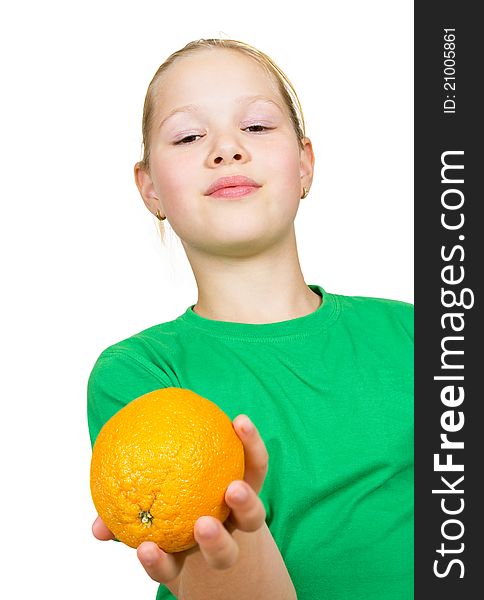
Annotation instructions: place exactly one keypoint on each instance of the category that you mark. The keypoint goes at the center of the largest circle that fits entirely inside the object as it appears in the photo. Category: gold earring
(305, 193)
(158, 215)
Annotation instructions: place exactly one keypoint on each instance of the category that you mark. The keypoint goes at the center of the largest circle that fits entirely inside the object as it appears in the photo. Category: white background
(82, 263)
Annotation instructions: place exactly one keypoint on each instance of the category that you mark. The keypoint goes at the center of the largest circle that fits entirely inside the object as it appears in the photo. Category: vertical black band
(449, 428)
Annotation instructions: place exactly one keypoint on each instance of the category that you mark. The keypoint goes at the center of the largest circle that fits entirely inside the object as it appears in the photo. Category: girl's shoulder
(375, 304)
(376, 314)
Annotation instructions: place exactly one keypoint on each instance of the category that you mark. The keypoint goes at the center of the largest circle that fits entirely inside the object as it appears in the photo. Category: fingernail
(238, 493)
(247, 426)
(207, 529)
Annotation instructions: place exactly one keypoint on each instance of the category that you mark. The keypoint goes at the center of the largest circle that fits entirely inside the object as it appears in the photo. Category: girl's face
(218, 114)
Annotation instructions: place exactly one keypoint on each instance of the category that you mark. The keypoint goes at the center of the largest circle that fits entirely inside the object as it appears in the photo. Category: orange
(161, 462)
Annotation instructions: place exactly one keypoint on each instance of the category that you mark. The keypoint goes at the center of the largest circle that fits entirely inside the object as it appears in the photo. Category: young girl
(319, 385)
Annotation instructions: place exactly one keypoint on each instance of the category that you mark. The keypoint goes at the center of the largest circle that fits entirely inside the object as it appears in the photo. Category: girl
(321, 383)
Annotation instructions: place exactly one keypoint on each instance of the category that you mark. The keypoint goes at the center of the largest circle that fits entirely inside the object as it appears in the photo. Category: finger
(248, 512)
(160, 566)
(218, 547)
(100, 531)
(255, 452)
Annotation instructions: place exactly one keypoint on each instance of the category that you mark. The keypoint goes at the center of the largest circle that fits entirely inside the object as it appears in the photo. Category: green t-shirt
(332, 396)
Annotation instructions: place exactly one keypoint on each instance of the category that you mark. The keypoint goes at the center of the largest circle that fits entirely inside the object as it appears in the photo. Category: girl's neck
(264, 288)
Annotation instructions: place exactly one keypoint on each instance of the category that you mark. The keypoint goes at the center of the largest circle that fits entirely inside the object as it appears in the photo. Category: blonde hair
(285, 87)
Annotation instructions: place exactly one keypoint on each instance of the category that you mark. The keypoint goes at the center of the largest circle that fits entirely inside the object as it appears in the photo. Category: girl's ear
(146, 188)
(307, 163)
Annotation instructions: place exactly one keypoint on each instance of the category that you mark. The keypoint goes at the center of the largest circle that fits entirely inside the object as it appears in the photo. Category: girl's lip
(234, 191)
(229, 182)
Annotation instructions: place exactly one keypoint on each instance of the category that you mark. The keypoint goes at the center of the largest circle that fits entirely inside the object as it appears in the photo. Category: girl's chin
(237, 241)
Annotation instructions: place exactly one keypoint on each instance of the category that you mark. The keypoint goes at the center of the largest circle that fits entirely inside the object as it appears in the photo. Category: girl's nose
(226, 158)
(227, 152)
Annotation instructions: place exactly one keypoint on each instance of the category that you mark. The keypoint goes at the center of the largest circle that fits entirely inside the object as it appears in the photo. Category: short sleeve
(404, 317)
(164, 593)
(117, 378)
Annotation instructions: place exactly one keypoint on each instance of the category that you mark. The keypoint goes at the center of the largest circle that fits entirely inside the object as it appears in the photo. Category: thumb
(100, 531)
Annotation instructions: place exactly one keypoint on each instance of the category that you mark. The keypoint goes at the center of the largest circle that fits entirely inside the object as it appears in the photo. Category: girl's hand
(215, 541)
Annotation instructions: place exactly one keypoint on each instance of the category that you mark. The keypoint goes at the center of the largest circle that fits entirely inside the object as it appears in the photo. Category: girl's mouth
(235, 191)
(239, 184)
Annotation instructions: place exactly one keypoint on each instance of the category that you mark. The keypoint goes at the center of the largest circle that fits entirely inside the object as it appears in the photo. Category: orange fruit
(161, 462)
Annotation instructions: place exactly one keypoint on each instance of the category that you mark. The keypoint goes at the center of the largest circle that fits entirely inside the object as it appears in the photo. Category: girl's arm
(248, 566)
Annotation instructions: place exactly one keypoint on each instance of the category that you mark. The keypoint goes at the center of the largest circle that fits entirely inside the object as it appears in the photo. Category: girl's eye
(188, 139)
(259, 128)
